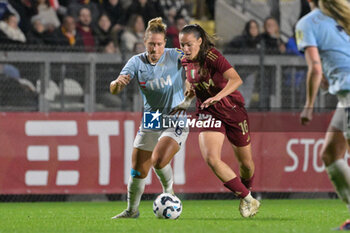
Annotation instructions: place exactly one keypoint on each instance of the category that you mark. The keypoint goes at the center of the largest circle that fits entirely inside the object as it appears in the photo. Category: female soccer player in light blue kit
(159, 74)
(324, 36)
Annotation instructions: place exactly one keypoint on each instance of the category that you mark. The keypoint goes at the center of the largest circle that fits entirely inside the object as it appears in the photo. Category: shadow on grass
(255, 219)
(261, 219)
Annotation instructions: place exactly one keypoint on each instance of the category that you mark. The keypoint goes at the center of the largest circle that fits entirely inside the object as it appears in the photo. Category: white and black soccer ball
(167, 206)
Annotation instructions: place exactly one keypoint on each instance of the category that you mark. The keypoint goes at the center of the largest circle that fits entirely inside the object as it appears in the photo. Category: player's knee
(247, 167)
(247, 163)
(157, 162)
(327, 156)
(137, 174)
(212, 161)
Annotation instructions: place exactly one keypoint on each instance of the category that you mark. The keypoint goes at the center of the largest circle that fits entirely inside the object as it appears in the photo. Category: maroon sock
(237, 187)
(248, 183)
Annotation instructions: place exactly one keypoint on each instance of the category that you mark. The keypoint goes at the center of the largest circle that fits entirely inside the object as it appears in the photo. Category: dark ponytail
(207, 43)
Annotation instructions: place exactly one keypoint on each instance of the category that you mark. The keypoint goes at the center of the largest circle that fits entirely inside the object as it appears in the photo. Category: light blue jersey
(161, 85)
(333, 43)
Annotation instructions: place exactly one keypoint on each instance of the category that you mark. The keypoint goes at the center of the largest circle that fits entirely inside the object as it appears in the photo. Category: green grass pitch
(315, 215)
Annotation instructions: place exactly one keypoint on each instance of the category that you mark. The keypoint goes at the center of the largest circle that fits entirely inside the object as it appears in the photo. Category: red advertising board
(91, 153)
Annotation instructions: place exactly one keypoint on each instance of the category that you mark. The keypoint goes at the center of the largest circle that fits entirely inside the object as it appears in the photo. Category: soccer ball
(167, 206)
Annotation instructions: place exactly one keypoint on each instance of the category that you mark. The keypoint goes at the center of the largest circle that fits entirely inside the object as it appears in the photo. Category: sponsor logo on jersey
(160, 83)
(204, 85)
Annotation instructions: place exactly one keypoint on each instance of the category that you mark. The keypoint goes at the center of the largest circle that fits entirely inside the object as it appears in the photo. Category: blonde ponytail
(155, 25)
(339, 10)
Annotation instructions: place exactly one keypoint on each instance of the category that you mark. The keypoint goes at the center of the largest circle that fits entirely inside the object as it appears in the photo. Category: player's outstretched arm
(234, 81)
(118, 85)
(313, 81)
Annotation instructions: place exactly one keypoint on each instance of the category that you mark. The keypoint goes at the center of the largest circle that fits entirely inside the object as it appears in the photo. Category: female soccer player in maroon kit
(214, 82)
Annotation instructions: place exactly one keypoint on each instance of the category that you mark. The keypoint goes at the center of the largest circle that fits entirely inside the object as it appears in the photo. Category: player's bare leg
(246, 164)
(162, 155)
(210, 143)
(141, 163)
(333, 152)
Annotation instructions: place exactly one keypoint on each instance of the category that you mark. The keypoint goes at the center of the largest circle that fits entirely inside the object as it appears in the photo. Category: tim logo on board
(151, 120)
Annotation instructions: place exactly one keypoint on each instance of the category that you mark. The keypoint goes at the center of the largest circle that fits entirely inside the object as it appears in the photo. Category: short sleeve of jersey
(218, 61)
(179, 53)
(130, 67)
(304, 34)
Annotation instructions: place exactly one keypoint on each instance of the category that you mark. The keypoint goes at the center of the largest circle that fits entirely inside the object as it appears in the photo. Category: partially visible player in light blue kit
(159, 74)
(324, 36)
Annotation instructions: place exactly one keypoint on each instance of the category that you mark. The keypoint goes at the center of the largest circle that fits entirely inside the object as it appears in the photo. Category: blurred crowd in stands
(109, 26)
(253, 38)
(116, 26)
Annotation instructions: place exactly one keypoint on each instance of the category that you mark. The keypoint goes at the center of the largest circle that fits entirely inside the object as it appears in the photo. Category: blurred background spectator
(84, 28)
(38, 35)
(146, 8)
(172, 34)
(24, 10)
(272, 37)
(103, 33)
(133, 33)
(67, 36)
(115, 12)
(110, 48)
(47, 15)
(74, 7)
(248, 42)
(10, 33)
(174, 9)
(15, 91)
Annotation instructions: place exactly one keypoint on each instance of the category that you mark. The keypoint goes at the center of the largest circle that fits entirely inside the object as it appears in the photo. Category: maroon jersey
(208, 86)
(230, 109)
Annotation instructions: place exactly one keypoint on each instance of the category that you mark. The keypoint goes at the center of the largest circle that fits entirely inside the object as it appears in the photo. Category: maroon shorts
(234, 121)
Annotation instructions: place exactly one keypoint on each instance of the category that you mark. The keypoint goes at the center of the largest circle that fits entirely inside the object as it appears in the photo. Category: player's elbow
(239, 81)
(315, 70)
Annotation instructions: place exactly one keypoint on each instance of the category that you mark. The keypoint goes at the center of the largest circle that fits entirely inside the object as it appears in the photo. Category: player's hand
(190, 91)
(123, 79)
(177, 110)
(306, 115)
(117, 85)
(210, 101)
(324, 83)
(182, 107)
